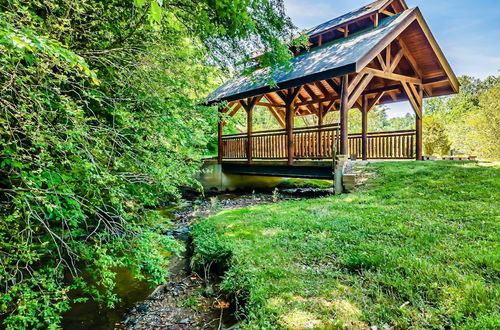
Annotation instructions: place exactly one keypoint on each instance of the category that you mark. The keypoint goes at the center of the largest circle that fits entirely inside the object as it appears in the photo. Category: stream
(187, 300)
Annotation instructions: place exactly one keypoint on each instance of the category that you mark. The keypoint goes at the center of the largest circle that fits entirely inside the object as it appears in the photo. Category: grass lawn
(418, 246)
(305, 183)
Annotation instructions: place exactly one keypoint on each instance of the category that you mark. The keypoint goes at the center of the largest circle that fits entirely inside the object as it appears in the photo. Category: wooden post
(249, 134)
(220, 145)
(344, 134)
(418, 128)
(364, 128)
(320, 127)
(290, 109)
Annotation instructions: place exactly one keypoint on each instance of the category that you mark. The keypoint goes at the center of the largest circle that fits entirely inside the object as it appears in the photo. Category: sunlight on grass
(417, 246)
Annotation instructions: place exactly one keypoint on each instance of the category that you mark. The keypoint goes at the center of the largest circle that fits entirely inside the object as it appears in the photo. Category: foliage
(101, 121)
(471, 118)
(435, 140)
(305, 183)
(416, 248)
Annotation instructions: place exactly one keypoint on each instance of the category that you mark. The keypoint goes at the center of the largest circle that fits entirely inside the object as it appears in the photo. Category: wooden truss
(382, 77)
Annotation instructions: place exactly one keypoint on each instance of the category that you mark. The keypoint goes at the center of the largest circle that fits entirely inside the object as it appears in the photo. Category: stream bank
(190, 301)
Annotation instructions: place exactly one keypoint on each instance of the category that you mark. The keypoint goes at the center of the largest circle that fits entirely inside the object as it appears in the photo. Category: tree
(470, 117)
(101, 122)
(435, 140)
(485, 123)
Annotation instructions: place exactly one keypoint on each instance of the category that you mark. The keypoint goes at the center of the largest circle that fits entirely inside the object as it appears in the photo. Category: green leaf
(156, 12)
(139, 3)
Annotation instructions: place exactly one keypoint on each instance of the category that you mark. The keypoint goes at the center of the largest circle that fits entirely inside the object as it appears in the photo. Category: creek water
(136, 295)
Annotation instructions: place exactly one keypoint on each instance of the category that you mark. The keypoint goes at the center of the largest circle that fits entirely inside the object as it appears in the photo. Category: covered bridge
(381, 53)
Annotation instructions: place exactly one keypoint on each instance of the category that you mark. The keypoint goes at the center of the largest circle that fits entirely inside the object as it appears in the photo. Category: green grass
(417, 247)
(305, 183)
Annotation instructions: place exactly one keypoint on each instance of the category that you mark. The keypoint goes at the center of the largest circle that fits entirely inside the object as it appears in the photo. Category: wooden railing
(384, 145)
(318, 143)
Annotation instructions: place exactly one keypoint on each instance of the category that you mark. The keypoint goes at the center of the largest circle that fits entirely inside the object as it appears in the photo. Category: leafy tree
(101, 122)
(469, 117)
(435, 140)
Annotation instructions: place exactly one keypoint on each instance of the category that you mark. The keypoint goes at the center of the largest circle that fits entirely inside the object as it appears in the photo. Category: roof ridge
(347, 18)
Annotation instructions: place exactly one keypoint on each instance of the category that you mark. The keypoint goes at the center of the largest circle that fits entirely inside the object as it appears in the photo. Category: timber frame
(406, 64)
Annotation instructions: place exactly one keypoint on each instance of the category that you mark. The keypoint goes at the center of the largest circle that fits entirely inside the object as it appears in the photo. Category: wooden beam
(381, 62)
(310, 92)
(289, 132)
(276, 116)
(235, 110)
(249, 134)
(333, 85)
(322, 89)
(416, 93)
(375, 20)
(393, 76)
(386, 12)
(364, 128)
(396, 61)
(415, 105)
(309, 106)
(264, 104)
(356, 93)
(344, 133)
(330, 105)
(388, 55)
(374, 101)
(220, 151)
(354, 82)
(418, 126)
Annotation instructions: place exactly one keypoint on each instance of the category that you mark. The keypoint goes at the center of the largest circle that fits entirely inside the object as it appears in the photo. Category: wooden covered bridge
(378, 54)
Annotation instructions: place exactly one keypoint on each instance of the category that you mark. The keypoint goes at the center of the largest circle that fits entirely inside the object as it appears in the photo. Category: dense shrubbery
(471, 118)
(100, 122)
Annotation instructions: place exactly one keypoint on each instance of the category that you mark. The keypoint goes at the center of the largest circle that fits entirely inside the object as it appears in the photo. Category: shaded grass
(418, 246)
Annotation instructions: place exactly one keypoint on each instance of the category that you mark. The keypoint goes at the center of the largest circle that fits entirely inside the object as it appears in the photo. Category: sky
(467, 31)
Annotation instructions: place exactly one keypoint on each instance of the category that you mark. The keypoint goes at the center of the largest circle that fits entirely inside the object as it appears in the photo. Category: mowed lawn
(417, 247)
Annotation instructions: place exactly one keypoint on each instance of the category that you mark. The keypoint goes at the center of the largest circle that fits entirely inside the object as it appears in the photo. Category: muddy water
(90, 315)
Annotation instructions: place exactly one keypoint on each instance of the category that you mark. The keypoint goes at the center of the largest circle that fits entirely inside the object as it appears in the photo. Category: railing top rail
(296, 129)
(402, 132)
